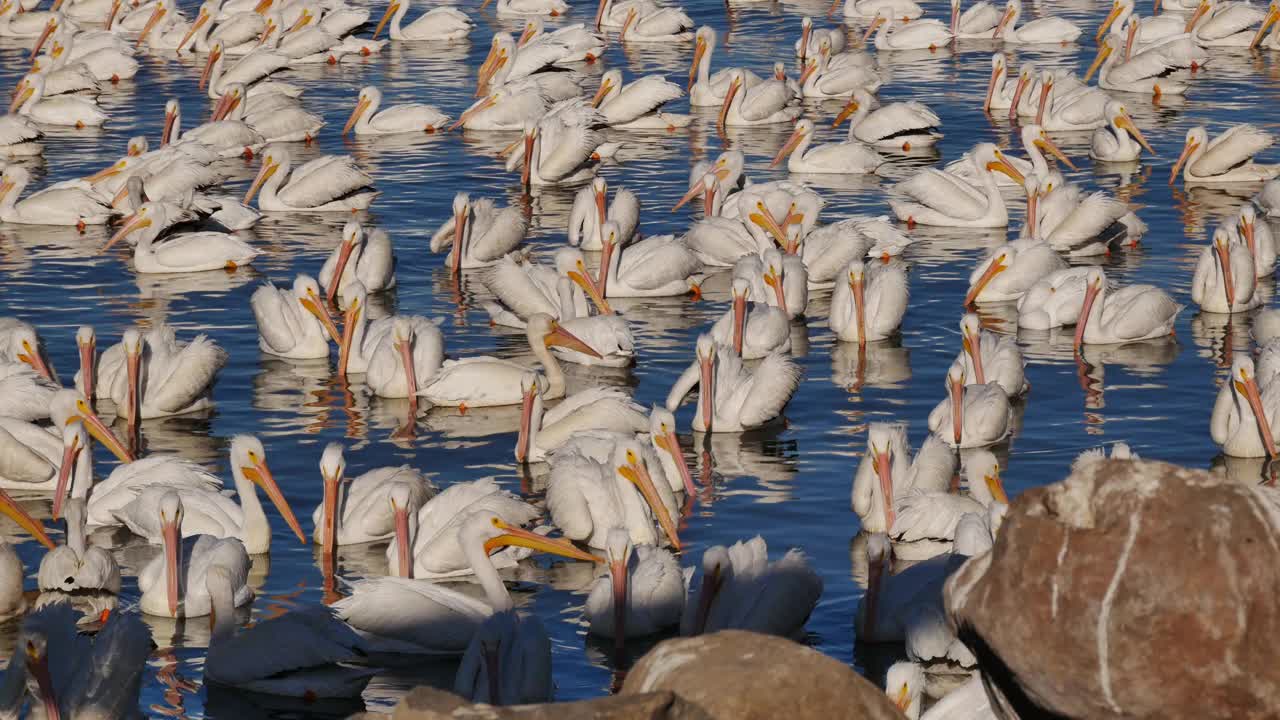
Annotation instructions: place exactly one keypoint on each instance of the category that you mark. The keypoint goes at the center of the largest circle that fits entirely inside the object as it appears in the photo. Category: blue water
(790, 485)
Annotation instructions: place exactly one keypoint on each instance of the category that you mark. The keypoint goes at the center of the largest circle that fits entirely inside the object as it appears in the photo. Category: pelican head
(982, 470)
(996, 264)
(971, 340)
(493, 532)
(531, 388)
(618, 550)
(307, 291)
(332, 463)
(802, 131)
(1095, 281)
(630, 463)
(369, 96)
(955, 386)
(170, 510)
(704, 41)
(1196, 138)
(249, 458)
(904, 684)
(1222, 247)
(28, 349)
(402, 507)
(1244, 383)
(36, 647)
(706, 351)
(547, 330)
(610, 83)
(717, 567)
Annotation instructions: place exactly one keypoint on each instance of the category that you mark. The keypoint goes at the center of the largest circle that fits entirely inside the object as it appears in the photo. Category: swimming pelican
(428, 618)
(173, 584)
(640, 594)
(252, 71)
(373, 507)
(972, 415)
(762, 331)
(915, 35)
(1228, 158)
(565, 156)
(16, 22)
(1225, 280)
(182, 252)
(888, 472)
(707, 89)
(369, 259)
(1122, 141)
(77, 565)
(848, 157)
(65, 110)
(988, 357)
(479, 233)
(1132, 313)
(1258, 238)
(638, 104)
(581, 45)
(329, 183)
(1045, 30)
(508, 62)
(732, 398)
(504, 108)
(1226, 24)
(1242, 413)
(870, 305)
(897, 125)
(658, 266)
(293, 323)
(589, 214)
(904, 9)
(810, 40)
(1035, 142)
(766, 103)
(663, 25)
(741, 590)
(595, 409)
(554, 8)
(1074, 223)
(1145, 72)
(979, 20)
(827, 250)
(276, 117)
(400, 355)
(164, 381)
(1002, 89)
(823, 80)
(1053, 301)
(1150, 29)
(64, 79)
(410, 117)
(103, 62)
(587, 499)
(523, 287)
(69, 205)
(441, 23)
(939, 198)
(1010, 270)
(225, 138)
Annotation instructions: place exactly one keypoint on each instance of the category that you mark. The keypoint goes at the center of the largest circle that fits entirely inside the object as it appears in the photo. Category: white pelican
(1242, 414)
(68, 205)
(106, 63)
(1150, 29)
(268, 657)
(441, 23)
(1269, 198)
(778, 280)
(589, 214)
(586, 498)
(1075, 223)
(762, 331)
(1121, 141)
(1001, 89)
(410, 117)
(488, 381)
(251, 70)
(870, 305)
(175, 380)
(594, 409)
(1260, 38)
(937, 516)
(399, 355)
(1045, 30)
(20, 343)
(1145, 72)
(810, 41)
(828, 250)
(664, 25)
(239, 32)
(19, 137)
(914, 35)
(225, 138)
(750, 222)
(209, 512)
(658, 266)
(16, 22)
(293, 323)
(1258, 238)
(77, 565)
(64, 79)
(428, 618)
(741, 590)
(521, 8)
(373, 507)
(638, 104)
(822, 79)
(939, 198)
(707, 89)
(1132, 313)
(508, 62)
(303, 46)
(613, 13)
(508, 662)
(1225, 24)
(284, 120)
(24, 393)
(1009, 271)
(173, 584)
(329, 183)
(13, 599)
(1228, 158)
(67, 110)
(523, 287)
(972, 416)
(565, 156)
(504, 108)
(1035, 142)
(640, 594)
(904, 9)
(849, 157)
(988, 357)
(768, 102)
(888, 472)
(897, 125)
(979, 20)
(182, 252)
(478, 233)
(369, 259)
(1225, 280)
(582, 45)
(732, 398)
(1053, 301)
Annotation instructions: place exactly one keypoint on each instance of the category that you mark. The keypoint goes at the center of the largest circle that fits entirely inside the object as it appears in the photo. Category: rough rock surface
(1131, 589)
(426, 703)
(737, 675)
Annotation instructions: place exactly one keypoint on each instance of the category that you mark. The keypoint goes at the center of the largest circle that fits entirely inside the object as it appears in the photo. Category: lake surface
(790, 485)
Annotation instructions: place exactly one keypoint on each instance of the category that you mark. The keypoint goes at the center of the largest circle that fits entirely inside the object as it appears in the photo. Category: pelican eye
(631, 457)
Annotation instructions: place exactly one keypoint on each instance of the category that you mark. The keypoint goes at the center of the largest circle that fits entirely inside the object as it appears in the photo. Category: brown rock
(427, 703)
(737, 675)
(1131, 589)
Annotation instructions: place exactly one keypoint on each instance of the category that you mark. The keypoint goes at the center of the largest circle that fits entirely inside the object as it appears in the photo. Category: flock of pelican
(617, 482)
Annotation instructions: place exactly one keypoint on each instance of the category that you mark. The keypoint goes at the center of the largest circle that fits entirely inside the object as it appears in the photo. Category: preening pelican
(293, 323)
(410, 117)
(1225, 280)
(374, 506)
(163, 380)
(762, 331)
(1258, 238)
(741, 590)
(869, 306)
(587, 498)
(1226, 159)
(179, 253)
(972, 415)
(1053, 301)
(707, 89)
(640, 594)
(915, 35)
(638, 104)
(77, 565)
(369, 259)
(589, 214)
(939, 198)
(888, 472)
(768, 102)
(1243, 413)
(658, 266)
(1009, 271)
(173, 584)
(68, 205)
(732, 398)
(595, 409)
(1121, 140)
(849, 157)
(988, 357)
(1132, 313)
(821, 78)
(1045, 30)
(899, 125)
(330, 183)
(479, 233)
(441, 23)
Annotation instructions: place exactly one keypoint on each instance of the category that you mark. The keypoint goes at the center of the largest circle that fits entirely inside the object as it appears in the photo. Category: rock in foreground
(1131, 589)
